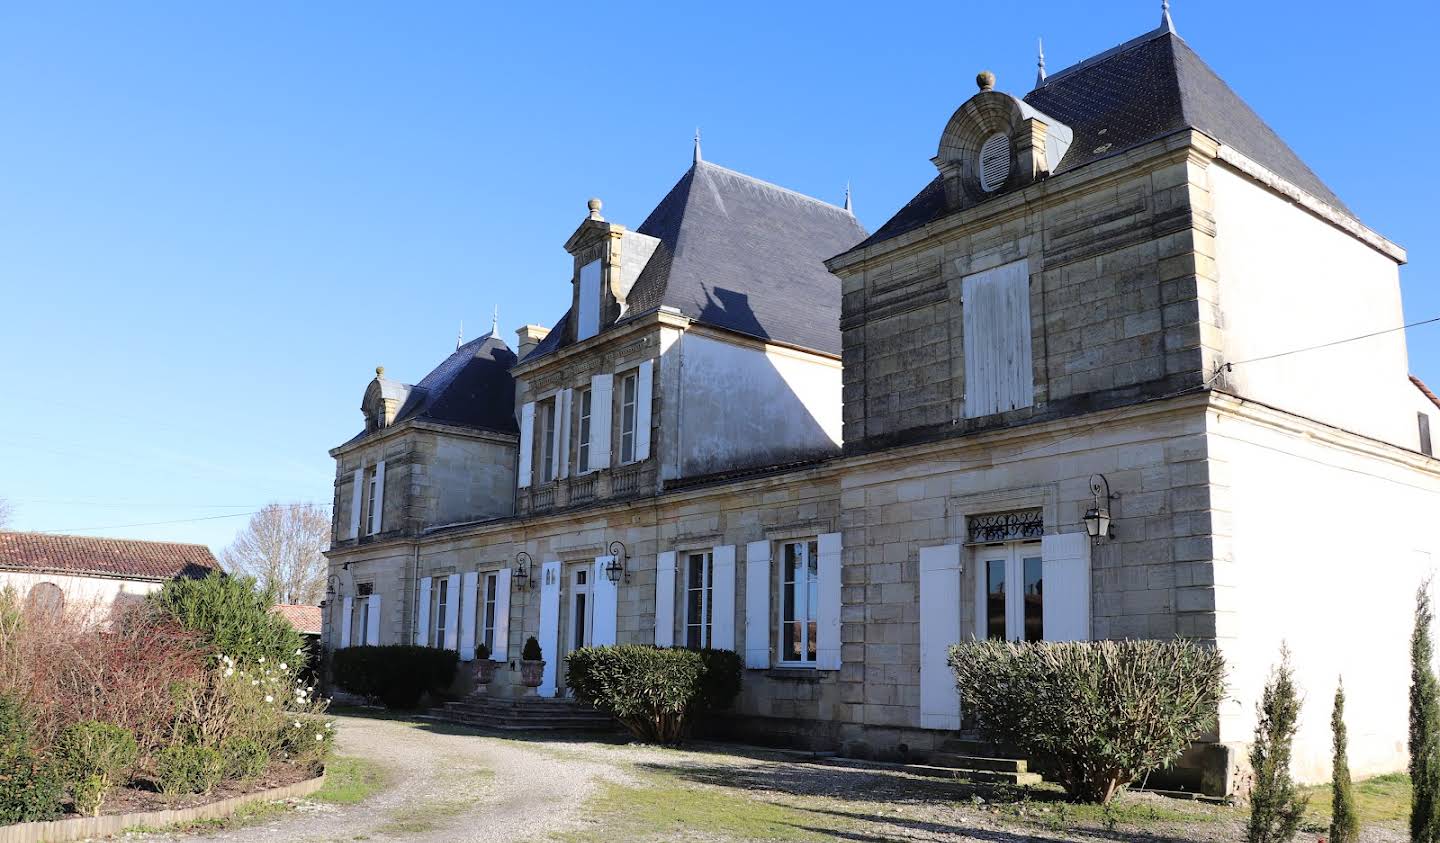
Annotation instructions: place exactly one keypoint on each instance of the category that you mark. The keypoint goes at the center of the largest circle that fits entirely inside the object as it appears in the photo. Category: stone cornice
(459, 431)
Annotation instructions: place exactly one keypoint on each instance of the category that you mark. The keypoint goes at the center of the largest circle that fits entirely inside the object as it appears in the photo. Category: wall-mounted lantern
(521, 574)
(1097, 517)
(616, 567)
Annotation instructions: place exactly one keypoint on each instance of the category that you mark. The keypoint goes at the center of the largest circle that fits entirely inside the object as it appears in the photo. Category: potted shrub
(484, 668)
(532, 665)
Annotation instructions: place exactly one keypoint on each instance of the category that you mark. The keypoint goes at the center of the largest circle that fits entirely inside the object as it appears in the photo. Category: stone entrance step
(525, 714)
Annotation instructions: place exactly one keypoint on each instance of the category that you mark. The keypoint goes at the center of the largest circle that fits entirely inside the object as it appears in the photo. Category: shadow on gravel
(992, 835)
(416, 720)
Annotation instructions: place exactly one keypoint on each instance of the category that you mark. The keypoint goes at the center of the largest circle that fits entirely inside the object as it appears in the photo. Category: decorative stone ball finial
(379, 371)
(594, 206)
(986, 80)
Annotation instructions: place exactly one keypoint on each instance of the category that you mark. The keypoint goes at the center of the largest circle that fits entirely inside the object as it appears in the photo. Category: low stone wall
(81, 828)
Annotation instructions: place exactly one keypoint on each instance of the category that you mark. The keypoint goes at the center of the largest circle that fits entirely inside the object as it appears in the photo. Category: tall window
(585, 401)
(800, 601)
(588, 321)
(1034, 599)
(627, 418)
(1425, 447)
(699, 585)
(372, 486)
(997, 335)
(995, 599)
(442, 602)
(487, 613)
(359, 631)
(547, 445)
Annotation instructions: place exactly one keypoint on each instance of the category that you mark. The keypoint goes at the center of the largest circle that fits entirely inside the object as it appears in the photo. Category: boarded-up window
(998, 371)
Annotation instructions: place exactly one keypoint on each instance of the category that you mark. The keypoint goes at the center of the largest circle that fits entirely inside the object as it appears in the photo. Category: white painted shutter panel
(527, 443)
(999, 375)
(549, 625)
(1065, 570)
(665, 599)
(469, 591)
(347, 608)
(605, 596)
(379, 497)
(601, 389)
(827, 634)
(357, 497)
(939, 628)
(757, 605)
(642, 410)
(452, 613)
(422, 614)
(722, 598)
(562, 427)
(502, 616)
(372, 627)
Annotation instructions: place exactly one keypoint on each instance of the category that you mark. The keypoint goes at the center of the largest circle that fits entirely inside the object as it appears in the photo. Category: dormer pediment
(383, 400)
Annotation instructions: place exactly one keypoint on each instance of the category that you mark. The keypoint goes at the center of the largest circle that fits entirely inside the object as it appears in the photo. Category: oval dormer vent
(994, 162)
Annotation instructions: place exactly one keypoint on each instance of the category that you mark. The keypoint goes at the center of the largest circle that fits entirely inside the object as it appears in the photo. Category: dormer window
(994, 162)
(587, 322)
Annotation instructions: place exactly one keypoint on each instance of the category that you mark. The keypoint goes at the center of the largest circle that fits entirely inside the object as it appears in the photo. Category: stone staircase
(524, 714)
(976, 761)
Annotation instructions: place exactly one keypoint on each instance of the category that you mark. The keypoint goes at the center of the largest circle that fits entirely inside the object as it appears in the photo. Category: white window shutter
(469, 589)
(601, 389)
(939, 628)
(827, 633)
(643, 382)
(999, 374)
(757, 605)
(1066, 587)
(562, 427)
(347, 608)
(452, 613)
(422, 614)
(665, 599)
(527, 443)
(549, 636)
(502, 616)
(605, 597)
(379, 497)
(372, 628)
(722, 598)
(357, 500)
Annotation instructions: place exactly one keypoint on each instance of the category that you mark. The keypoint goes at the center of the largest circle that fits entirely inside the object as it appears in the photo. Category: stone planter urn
(484, 675)
(532, 673)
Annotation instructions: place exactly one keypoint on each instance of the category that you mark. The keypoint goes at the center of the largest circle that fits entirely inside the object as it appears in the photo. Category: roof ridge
(44, 534)
(1101, 56)
(771, 185)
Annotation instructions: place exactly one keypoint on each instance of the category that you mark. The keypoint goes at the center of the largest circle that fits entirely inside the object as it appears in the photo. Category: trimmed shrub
(1103, 713)
(653, 691)
(244, 758)
(1276, 807)
(531, 651)
(30, 787)
(482, 652)
(397, 675)
(1424, 726)
(1344, 820)
(233, 615)
(188, 768)
(93, 755)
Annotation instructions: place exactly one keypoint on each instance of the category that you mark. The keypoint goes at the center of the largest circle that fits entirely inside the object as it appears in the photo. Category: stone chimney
(529, 336)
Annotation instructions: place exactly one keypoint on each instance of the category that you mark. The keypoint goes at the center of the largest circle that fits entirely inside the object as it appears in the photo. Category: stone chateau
(1083, 386)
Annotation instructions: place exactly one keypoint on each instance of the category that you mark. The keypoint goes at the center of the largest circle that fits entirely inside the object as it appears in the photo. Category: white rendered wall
(1288, 280)
(741, 405)
(81, 593)
(1328, 548)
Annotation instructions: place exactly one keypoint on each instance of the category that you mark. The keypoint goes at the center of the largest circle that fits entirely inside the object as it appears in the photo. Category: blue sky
(217, 219)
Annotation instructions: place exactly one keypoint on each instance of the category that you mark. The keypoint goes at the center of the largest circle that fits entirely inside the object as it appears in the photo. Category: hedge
(398, 675)
(654, 691)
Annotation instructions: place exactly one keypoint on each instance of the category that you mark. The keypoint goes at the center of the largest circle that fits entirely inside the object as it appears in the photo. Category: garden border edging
(79, 828)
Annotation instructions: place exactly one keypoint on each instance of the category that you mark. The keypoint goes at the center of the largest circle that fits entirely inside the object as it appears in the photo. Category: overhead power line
(179, 520)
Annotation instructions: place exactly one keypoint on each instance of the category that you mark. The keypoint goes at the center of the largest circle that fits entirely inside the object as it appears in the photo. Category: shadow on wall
(744, 408)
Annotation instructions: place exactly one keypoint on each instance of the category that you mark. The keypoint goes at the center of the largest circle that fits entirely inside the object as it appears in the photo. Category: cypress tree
(1276, 806)
(1344, 821)
(1424, 727)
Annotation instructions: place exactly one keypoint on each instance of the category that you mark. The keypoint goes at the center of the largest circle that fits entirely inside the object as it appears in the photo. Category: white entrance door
(1010, 592)
(578, 634)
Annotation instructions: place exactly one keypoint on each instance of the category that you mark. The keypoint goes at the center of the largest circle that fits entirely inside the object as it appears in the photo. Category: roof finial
(379, 371)
(460, 337)
(1165, 22)
(848, 207)
(495, 322)
(594, 205)
(985, 80)
(1040, 73)
(697, 159)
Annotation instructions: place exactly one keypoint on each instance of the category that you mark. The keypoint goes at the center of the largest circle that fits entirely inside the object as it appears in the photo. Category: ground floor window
(799, 601)
(487, 613)
(699, 586)
(442, 604)
(1010, 592)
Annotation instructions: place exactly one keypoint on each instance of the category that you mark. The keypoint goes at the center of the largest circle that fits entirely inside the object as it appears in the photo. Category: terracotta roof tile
(1425, 389)
(106, 557)
(305, 619)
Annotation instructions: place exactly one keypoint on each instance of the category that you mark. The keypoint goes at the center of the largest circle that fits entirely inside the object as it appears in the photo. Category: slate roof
(305, 619)
(128, 558)
(1140, 91)
(745, 255)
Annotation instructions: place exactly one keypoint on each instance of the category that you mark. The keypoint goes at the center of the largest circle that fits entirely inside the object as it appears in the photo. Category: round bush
(398, 675)
(93, 755)
(653, 691)
(188, 768)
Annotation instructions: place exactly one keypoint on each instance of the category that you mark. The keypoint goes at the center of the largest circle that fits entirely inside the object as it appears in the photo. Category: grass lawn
(350, 780)
(1382, 799)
